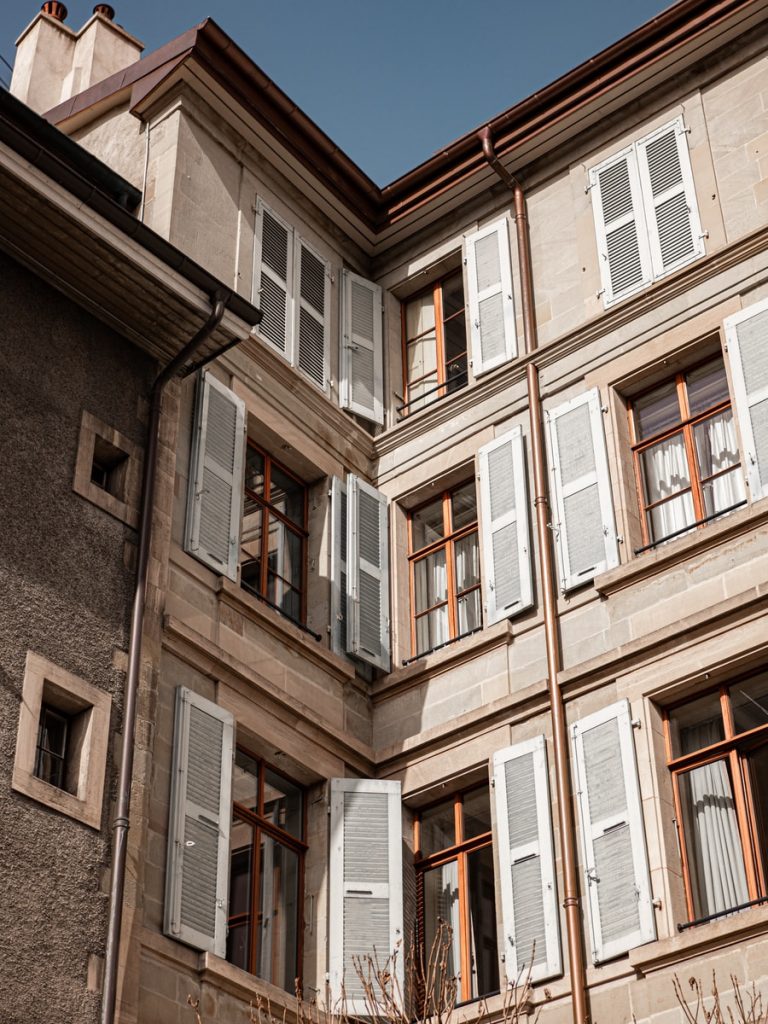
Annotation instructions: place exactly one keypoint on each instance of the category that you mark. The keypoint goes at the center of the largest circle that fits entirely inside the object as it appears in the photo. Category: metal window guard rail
(723, 913)
(454, 384)
(439, 647)
(691, 526)
(279, 610)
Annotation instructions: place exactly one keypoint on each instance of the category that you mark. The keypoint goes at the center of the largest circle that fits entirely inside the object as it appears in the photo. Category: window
(435, 343)
(455, 884)
(292, 288)
(717, 748)
(274, 536)
(685, 452)
(108, 469)
(645, 210)
(61, 746)
(266, 872)
(445, 569)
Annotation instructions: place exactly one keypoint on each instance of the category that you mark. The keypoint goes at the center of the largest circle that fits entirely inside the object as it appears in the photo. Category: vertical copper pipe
(571, 899)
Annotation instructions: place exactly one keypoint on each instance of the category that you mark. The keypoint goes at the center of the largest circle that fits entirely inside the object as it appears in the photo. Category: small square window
(61, 747)
(108, 470)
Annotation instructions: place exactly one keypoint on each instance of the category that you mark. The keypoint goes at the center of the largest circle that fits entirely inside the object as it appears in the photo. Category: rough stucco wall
(66, 594)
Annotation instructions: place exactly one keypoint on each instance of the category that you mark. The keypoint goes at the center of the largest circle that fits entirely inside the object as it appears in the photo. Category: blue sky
(391, 81)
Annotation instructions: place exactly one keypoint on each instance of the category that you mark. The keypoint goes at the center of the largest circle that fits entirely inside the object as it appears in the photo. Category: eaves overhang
(654, 52)
(62, 219)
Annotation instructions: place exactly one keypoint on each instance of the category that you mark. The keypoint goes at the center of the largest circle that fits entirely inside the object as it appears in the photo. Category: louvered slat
(367, 566)
(362, 385)
(312, 325)
(339, 566)
(747, 334)
(272, 284)
(491, 305)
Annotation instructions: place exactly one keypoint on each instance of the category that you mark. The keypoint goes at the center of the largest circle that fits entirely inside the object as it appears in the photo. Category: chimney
(53, 62)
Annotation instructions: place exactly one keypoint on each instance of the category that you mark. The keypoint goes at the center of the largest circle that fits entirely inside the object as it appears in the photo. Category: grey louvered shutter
(362, 357)
(197, 877)
(313, 301)
(747, 336)
(338, 566)
(613, 835)
(583, 507)
(507, 570)
(523, 823)
(491, 305)
(365, 898)
(215, 496)
(273, 272)
(671, 211)
(368, 573)
(622, 236)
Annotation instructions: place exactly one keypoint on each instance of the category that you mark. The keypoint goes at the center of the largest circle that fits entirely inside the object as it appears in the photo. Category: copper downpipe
(572, 898)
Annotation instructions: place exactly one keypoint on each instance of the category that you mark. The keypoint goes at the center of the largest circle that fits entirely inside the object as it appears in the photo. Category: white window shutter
(197, 879)
(338, 566)
(368, 573)
(747, 337)
(313, 326)
(215, 496)
(583, 507)
(613, 836)
(273, 271)
(491, 304)
(507, 570)
(622, 237)
(671, 210)
(523, 819)
(365, 884)
(361, 359)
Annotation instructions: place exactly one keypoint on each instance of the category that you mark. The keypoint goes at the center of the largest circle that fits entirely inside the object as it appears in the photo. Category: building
(464, 609)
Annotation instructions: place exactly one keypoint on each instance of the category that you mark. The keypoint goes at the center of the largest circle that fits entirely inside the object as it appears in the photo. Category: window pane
(240, 881)
(284, 596)
(716, 450)
(469, 612)
(476, 808)
(285, 548)
(420, 316)
(430, 580)
(250, 554)
(665, 469)
(287, 495)
(757, 763)
(707, 386)
(278, 914)
(467, 562)
(422, 358)
(715, 857)
(673, 515)
(482, 922)
(441, 903)
(437, 828)
(697, 725)
(657, 411)
(432, 629)
(427, 525)
(254, 471)
(464, 505)
(245, 781)
(749, 702)
(283, 803)
(453, 295)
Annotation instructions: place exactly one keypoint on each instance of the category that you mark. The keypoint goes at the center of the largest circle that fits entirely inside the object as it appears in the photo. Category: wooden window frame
(685, 425)
(441, 365)
(448, 541)
(302, 532)
(459, 851)
(731, 749)
(259, 823)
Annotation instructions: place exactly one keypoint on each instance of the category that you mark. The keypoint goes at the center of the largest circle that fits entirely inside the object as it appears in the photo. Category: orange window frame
(264, 503)
(448, 541)
(259, 823)
(442, 367)
(686, 426)
(459, 852)
(731, 749)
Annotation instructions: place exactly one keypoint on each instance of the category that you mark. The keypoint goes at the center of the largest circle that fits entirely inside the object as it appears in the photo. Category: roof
(680, 27)
(94, 249)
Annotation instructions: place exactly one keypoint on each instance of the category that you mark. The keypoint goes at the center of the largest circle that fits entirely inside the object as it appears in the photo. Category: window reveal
(455, 885)
(274, 537)
(717, 750)
(445, 569)
(435, 343)
(266, 873)
(686, 457)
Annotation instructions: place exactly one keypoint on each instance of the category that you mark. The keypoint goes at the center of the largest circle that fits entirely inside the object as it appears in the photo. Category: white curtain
(441, 903)
(666, 472)
(717, 450)
(716, 859)
(468, 573)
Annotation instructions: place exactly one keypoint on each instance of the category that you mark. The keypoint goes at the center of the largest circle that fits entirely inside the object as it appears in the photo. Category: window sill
(225, 977)
(744, 925)
(251, 608)
(645, 566)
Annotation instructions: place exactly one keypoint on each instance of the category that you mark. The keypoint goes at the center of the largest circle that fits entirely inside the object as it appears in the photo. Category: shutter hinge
(704, 234)
(636, 723)
(493, 783)
(601, 292)
(656, 902)
(683, 131)
(588, 188)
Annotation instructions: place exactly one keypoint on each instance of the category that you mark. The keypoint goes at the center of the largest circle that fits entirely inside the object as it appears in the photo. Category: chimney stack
(106, 10)
(55, 9)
